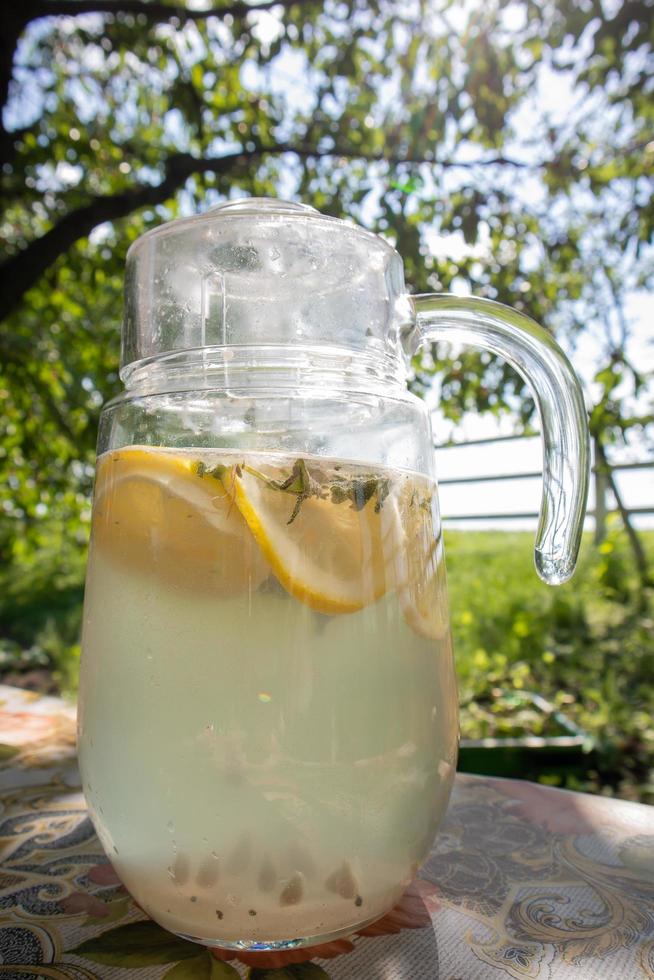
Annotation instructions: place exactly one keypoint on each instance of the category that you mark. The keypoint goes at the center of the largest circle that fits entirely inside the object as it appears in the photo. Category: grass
(587, 646)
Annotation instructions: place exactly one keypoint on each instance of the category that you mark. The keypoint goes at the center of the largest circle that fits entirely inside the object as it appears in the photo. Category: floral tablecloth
(524, 881)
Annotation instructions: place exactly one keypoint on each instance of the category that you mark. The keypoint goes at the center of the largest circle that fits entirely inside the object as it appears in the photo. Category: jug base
(280, 945)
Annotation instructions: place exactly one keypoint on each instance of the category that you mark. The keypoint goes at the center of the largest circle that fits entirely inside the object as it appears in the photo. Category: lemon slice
(422, 586)
(326, 552)
(423, 597)
(154, 511)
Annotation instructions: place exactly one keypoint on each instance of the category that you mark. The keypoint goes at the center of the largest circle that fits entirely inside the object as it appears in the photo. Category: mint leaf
(136, 944)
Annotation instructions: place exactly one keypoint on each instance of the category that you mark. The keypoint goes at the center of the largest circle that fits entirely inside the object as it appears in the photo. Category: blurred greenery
(585, 646)
(41, 592)
(505, 148)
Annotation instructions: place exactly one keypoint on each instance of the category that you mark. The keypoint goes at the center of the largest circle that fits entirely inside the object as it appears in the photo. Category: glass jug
(268, 704)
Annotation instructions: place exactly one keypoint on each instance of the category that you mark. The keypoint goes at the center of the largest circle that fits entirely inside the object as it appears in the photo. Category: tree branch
(23, 270)
(154, 11)
(640, 558)
(402, 158)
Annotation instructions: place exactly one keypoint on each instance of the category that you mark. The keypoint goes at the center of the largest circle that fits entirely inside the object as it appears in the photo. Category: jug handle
(539, 360)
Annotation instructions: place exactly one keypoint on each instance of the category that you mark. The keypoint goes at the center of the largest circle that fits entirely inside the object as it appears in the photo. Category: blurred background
(506, 149)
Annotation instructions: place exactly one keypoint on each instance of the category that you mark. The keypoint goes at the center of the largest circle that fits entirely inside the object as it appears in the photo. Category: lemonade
(268, 703)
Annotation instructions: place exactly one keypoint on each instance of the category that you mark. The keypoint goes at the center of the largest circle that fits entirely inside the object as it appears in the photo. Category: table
(524, 881)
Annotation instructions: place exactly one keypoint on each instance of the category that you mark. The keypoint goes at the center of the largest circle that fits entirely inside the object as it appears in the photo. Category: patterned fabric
(524, 882)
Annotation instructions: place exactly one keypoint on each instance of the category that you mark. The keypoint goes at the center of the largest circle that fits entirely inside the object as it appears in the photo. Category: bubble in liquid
(170, 827)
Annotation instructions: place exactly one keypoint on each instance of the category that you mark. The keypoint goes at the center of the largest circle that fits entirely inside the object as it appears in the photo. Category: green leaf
(223, 971)
(136, 944)
(296, 971)
(196, 75)
(198, 968)
(201, 967)
(408, 185)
